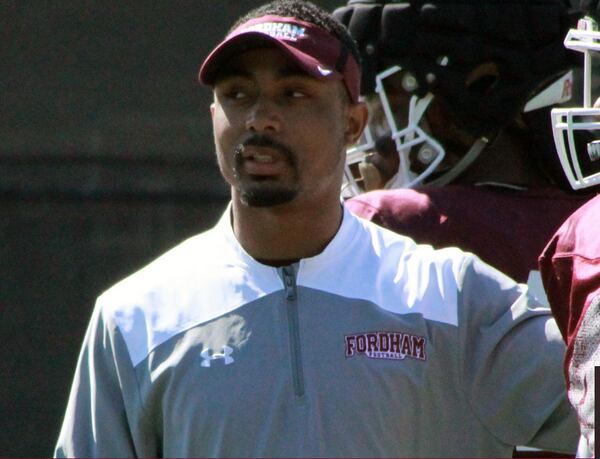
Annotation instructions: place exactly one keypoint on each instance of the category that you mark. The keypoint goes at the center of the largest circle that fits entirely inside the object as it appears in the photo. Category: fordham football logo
(386, 345)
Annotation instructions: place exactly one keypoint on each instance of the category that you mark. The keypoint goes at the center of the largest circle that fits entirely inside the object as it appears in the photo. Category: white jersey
(375, 347)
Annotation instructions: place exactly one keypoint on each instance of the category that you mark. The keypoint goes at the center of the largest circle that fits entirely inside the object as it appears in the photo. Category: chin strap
(463, 164)
(508, 186)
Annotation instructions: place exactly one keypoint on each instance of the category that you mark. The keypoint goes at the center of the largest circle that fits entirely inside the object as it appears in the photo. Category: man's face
(280, 134)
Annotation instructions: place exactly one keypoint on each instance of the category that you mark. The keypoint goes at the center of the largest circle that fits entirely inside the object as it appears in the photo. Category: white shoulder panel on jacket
(390, 270)
(199, 280)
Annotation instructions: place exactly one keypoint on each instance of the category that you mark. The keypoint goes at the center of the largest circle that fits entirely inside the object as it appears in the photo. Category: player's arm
(96, 422)
(512, 355)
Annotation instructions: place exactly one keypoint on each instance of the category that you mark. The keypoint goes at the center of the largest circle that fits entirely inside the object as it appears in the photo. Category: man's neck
(283, 234)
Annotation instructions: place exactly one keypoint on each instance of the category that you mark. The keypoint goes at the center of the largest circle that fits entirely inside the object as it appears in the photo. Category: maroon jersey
(506, 228)
(570, 268)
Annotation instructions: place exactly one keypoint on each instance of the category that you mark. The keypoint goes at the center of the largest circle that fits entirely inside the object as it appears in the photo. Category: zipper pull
(289, 282)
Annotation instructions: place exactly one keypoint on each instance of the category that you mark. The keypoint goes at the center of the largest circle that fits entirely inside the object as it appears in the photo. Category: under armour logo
(225, 355)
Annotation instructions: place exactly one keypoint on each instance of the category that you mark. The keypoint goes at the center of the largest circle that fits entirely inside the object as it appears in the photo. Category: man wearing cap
(294, 329)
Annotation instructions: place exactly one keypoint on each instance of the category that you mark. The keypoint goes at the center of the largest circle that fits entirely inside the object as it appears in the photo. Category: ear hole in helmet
(483, 78)
(588, 148)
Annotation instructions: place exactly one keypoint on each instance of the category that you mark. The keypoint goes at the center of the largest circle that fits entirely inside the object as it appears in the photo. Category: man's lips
(262, 161)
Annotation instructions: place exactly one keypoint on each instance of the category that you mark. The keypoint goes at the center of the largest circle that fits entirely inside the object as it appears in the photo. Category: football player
(459, 144)
(570, 263)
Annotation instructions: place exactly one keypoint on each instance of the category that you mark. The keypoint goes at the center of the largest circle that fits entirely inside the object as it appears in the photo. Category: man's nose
(264, 116)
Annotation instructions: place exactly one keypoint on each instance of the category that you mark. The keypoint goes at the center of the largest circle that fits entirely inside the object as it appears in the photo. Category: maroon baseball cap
(316, 51)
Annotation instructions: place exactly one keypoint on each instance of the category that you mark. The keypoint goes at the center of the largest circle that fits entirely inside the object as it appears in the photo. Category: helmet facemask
(577, 129)
(399, 126)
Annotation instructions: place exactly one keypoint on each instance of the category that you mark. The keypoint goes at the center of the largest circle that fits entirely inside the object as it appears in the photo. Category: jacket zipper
(289, 281)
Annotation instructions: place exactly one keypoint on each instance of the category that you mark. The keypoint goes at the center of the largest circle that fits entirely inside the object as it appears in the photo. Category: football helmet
(577, 130)
(442, 79)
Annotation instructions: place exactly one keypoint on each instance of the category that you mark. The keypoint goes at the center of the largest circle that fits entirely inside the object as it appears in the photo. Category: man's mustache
(266, 142)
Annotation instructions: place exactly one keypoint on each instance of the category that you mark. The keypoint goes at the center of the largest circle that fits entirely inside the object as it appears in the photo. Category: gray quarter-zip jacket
(375, 347)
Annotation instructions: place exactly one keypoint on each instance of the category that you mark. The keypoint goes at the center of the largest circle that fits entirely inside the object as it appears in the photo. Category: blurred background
(106, 161)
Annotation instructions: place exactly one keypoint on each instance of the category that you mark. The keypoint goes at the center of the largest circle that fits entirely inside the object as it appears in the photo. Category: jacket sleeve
(100, 419)
(511, 357)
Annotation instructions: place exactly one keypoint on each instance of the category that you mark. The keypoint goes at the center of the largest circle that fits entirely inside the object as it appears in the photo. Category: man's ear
(212, 110)
(357, 115)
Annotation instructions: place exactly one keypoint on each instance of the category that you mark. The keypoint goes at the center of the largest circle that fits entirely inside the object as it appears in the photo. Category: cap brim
(236, 45)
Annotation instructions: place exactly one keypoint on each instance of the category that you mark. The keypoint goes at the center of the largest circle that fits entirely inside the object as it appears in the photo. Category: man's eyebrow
(292, 71)
(232, 71)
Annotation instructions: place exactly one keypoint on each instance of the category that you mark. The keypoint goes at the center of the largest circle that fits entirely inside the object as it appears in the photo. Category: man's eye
(233, 93)
(294, 94)
(237, 95)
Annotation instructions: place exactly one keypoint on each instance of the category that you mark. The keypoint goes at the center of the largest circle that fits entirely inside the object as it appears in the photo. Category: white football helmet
(412, 135)
(577, 130)
(443, 79)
